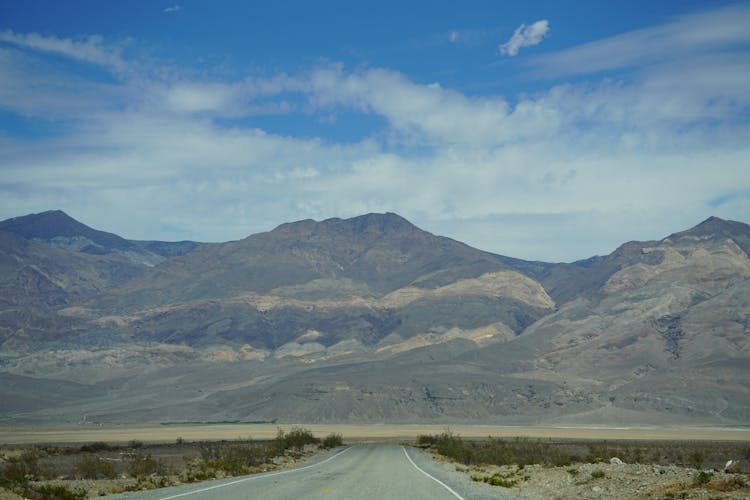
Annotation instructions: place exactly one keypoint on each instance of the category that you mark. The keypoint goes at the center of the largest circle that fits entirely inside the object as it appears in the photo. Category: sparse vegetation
(600, 464)
(145, 465)
(295, 439)
(58, 492)
(36, 472)
(97, 446)
(93, 467)
(332, 441)
(702, 478)
(496, 480)
(495, 451)
(563, 453)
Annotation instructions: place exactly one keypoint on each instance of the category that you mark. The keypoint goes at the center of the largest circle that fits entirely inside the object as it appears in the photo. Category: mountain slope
(322, 287)
(373, 319)
(57, 228)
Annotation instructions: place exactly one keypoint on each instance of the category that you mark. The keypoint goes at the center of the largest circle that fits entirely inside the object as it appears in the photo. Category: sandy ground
(352, 433)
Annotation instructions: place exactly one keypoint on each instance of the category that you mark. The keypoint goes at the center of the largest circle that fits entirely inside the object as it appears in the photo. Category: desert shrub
(236, 459)
(145, 465)
(332, 441)
(573, 472)
(96, 447)
(519, 451)
(20, 469)
(598, 474)
(702, 478)
(732, 483)
(296, 438)
(135, 444)
(58, 492)
(499, 481)
(495, 480)
(152, 482)
(426, 440)
(93, 467)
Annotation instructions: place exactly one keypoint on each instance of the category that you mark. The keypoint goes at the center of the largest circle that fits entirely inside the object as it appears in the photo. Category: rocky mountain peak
(717, 228)
(45, 225)
(373, 224)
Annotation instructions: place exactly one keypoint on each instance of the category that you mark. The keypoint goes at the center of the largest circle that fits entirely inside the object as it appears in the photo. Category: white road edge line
(432, 477)
(258, 476)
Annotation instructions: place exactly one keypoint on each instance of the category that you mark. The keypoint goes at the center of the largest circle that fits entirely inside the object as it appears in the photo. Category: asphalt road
(377, 472)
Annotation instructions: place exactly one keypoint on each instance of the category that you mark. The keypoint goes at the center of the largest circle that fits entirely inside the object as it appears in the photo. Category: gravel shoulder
(602, 481)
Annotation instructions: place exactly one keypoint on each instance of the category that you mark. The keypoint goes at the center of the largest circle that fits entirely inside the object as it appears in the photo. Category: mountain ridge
(57, 228)
(373, 318)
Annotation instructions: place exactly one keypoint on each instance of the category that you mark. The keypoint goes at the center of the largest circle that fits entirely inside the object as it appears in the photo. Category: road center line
(432, 477)
(258, 476)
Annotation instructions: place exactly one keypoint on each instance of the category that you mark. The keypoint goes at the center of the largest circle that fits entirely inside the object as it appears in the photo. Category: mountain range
(369, 319)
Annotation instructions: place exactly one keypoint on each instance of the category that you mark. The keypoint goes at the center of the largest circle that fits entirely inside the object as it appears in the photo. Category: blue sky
(541, 130)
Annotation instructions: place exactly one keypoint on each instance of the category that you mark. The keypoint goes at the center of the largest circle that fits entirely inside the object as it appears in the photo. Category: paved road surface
(377, 472)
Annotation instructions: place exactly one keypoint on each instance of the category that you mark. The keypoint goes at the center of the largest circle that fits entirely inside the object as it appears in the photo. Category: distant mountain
(371, 319)
(309, 287)
(57, 228)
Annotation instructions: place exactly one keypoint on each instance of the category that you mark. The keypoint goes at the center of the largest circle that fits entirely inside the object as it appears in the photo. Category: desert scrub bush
(573, 472)
(56, 492)
(702, 478)
(93, 467)
(426, 440)
(152, 482)
(21, 469)
(332, 441)
(733, 483)
(96, 447)
(236, 459)
(598, 474)
(495, 480)
(496, 451)
(296, 438)
(145, 465)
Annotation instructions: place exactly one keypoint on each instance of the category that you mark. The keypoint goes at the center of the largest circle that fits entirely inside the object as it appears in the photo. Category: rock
(616, 461)
(596, 489)
(732, 466)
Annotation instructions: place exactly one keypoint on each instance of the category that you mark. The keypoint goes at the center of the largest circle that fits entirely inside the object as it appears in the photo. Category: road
(377, 472)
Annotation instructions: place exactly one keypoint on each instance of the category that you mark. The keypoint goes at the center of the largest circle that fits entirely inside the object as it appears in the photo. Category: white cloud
(558, 175)
(173, 8)
(200, 97)
(525, 36)
(90, 49)
(686, 36)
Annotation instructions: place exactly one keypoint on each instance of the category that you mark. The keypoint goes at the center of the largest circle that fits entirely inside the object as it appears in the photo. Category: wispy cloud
(525, 36)
(173, 8)
(686, 36)
(90, 48)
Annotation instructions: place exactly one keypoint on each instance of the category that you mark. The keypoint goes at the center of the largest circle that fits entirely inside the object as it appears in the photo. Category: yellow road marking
(328, 490)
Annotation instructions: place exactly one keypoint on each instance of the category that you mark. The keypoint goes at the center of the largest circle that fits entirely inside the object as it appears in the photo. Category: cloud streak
(525, 36)
(90, 49)
(685, 36)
